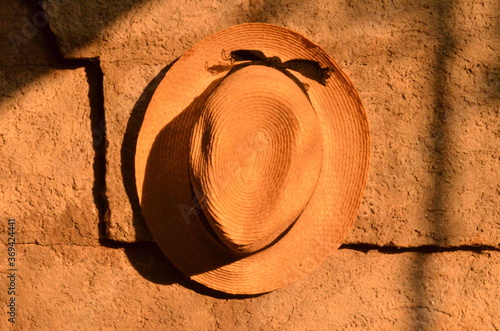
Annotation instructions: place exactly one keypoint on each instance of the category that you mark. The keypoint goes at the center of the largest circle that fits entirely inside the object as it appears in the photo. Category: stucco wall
(424, 253)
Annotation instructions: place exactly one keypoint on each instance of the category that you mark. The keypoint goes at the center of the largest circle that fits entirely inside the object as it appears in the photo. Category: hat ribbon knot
(308, 68)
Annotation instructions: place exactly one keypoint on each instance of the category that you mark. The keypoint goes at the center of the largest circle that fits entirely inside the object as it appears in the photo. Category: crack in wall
(425, 249)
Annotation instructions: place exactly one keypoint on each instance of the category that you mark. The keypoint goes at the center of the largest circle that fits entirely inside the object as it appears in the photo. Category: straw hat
(252, 159)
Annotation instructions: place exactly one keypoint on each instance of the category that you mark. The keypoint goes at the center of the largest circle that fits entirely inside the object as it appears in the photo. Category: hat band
(308, 68)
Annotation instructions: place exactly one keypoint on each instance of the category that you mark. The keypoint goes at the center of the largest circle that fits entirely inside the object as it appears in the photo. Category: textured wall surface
(75, 79)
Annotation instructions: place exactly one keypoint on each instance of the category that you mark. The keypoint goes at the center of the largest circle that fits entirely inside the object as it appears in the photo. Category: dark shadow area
(129, 147)
(150, 262)
(27, 43)
(92, 22)
(98, 126)
(49, 38)
(440, 135)
(440, 131)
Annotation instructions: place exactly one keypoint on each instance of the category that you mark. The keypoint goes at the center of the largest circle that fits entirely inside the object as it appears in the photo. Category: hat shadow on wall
(150, 262)
(146, 257)
(128, 151)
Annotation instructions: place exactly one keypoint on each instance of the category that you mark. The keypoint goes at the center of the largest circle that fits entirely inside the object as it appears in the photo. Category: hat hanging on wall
(252, 159)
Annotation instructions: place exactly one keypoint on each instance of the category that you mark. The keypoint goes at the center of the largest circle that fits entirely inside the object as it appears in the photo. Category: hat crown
(255, 157)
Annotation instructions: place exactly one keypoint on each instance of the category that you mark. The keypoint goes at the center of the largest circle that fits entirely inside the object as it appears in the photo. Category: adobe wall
(76, 77)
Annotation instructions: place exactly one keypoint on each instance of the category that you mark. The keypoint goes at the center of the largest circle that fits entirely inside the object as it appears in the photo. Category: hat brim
(162, 166)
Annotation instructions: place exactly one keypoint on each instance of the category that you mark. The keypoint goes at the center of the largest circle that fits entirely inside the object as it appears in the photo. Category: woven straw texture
(246, 183)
